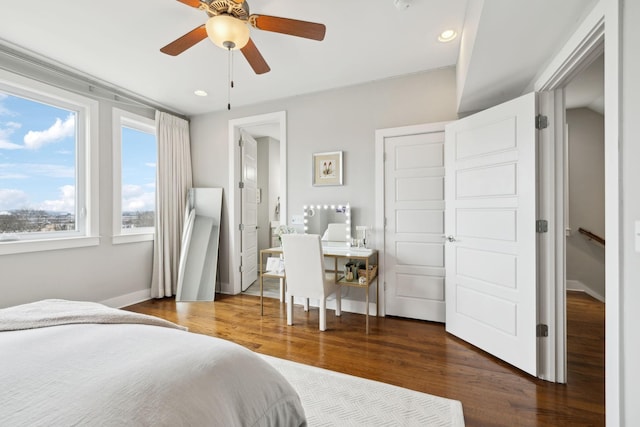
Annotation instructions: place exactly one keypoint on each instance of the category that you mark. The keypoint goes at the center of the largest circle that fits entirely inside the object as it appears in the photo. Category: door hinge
(542, 330)
(542, 122)
(384, 156)
(542, 226)
(241, 184)
(241, 227)
(241, 269)
(240, 143)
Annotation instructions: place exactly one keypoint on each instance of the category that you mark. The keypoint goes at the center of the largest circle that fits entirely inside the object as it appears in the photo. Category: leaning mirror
(199, 252)
(332, 222)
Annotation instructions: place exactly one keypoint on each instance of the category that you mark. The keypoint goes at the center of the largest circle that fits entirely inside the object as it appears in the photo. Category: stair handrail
(591, 235)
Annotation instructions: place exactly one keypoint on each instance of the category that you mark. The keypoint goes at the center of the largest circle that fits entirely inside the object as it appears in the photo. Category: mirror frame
(307, 211)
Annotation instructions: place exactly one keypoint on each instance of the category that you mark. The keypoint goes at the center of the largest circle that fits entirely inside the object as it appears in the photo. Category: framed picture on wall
(327, 168)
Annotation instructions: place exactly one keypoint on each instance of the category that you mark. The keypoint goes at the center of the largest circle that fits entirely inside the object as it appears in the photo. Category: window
(135, 156)
(48, 198)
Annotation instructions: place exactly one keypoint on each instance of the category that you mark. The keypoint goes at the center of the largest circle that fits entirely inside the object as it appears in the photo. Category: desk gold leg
(261, 305)
(367, 309)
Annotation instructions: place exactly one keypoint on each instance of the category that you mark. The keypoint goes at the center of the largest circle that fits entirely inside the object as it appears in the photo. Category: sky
(37, 159)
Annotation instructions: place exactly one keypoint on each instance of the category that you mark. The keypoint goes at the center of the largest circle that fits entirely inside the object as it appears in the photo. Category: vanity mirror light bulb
(333, 206)
(318, 207)
(326, 206)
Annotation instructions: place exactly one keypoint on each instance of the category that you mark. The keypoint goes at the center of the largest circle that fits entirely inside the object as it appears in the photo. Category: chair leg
(289, 309)
(339, 301)
(323, 314)
(306, 304)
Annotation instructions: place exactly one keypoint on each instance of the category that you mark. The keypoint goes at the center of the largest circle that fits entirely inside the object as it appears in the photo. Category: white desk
(335, 252)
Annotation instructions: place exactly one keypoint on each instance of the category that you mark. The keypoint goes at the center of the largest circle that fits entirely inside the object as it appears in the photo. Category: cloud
(151, 165)
(6, 145)
(66, 202)
(135, 198)
(4, 111)
(5, 132)
(59, 130)
(49, 170)
(28, 170)
(12, 199)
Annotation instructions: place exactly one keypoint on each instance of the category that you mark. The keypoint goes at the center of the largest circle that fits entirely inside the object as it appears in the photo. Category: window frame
(86, 166)
(120, 119)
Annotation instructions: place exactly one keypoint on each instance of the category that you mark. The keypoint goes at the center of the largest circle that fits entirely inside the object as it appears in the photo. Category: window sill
(25, 246)
(132, 238)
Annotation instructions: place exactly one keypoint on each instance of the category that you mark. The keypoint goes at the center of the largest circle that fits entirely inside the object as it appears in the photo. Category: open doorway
(585, 223)
(265, 129)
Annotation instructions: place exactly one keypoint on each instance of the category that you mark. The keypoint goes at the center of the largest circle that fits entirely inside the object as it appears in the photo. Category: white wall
(341, 119)
(585, 258)
(116, 275)
(630, 210)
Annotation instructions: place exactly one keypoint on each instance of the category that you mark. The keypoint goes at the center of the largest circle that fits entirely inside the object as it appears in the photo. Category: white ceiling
(118, 42)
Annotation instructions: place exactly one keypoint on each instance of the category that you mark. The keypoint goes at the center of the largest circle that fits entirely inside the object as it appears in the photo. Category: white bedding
(124, 374)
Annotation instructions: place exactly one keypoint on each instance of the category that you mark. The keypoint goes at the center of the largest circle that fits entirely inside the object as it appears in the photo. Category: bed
(68, 363)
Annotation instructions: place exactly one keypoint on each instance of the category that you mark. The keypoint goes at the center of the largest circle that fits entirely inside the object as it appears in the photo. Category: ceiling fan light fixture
(227, 32)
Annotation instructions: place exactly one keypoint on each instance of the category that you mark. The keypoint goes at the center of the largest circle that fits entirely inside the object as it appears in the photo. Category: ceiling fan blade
(254, 58)
(192, 3)
(292, 27)
(178, 46)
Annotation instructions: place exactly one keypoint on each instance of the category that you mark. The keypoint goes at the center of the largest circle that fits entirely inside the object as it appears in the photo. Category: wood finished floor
(417, 355)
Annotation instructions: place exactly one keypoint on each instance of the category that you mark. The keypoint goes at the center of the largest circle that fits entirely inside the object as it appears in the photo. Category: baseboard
(577, 285)
(128, 299)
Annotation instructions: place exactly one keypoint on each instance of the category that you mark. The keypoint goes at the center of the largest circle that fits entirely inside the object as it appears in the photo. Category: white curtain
(173, 180)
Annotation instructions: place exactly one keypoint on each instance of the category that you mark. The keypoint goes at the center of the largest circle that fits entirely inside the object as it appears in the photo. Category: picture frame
(327, 168)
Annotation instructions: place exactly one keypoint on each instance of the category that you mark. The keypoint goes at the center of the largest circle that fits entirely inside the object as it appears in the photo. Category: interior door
(491, 298)
(249, 244)
(414, 214)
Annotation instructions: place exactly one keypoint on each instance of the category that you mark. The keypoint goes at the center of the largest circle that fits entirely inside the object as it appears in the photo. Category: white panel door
(414, 213)
(249, 248)
(491, 294)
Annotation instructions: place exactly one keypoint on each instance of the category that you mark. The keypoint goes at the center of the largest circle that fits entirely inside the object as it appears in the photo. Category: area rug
(334, 399)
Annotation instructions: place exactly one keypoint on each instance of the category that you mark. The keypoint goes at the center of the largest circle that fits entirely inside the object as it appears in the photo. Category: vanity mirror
(331, 221)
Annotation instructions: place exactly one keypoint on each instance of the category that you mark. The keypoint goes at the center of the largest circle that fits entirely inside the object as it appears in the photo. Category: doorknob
(450, 238)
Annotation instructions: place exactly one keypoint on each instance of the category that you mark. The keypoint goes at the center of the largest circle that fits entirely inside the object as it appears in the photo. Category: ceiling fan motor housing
(227, 7)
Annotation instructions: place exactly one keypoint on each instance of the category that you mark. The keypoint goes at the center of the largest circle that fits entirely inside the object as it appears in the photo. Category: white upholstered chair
(306, 277)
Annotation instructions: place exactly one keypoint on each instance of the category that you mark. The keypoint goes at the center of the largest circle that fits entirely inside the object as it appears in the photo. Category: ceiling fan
(228, 28)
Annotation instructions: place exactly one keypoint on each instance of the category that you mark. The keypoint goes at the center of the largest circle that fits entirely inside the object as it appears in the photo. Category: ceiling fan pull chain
(230, 77)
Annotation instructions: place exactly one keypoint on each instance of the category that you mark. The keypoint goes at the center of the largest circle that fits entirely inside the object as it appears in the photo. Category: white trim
(379, 243)
(613, 262)
(235, 125)
(578, 286)
(20, 247)
(128, 299)
(132, 238)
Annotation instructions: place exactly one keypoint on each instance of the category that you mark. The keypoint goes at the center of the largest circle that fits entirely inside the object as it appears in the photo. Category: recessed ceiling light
(200, 92)
(447, 36)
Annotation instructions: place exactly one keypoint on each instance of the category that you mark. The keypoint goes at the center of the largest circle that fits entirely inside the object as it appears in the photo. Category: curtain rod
(95, 87)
